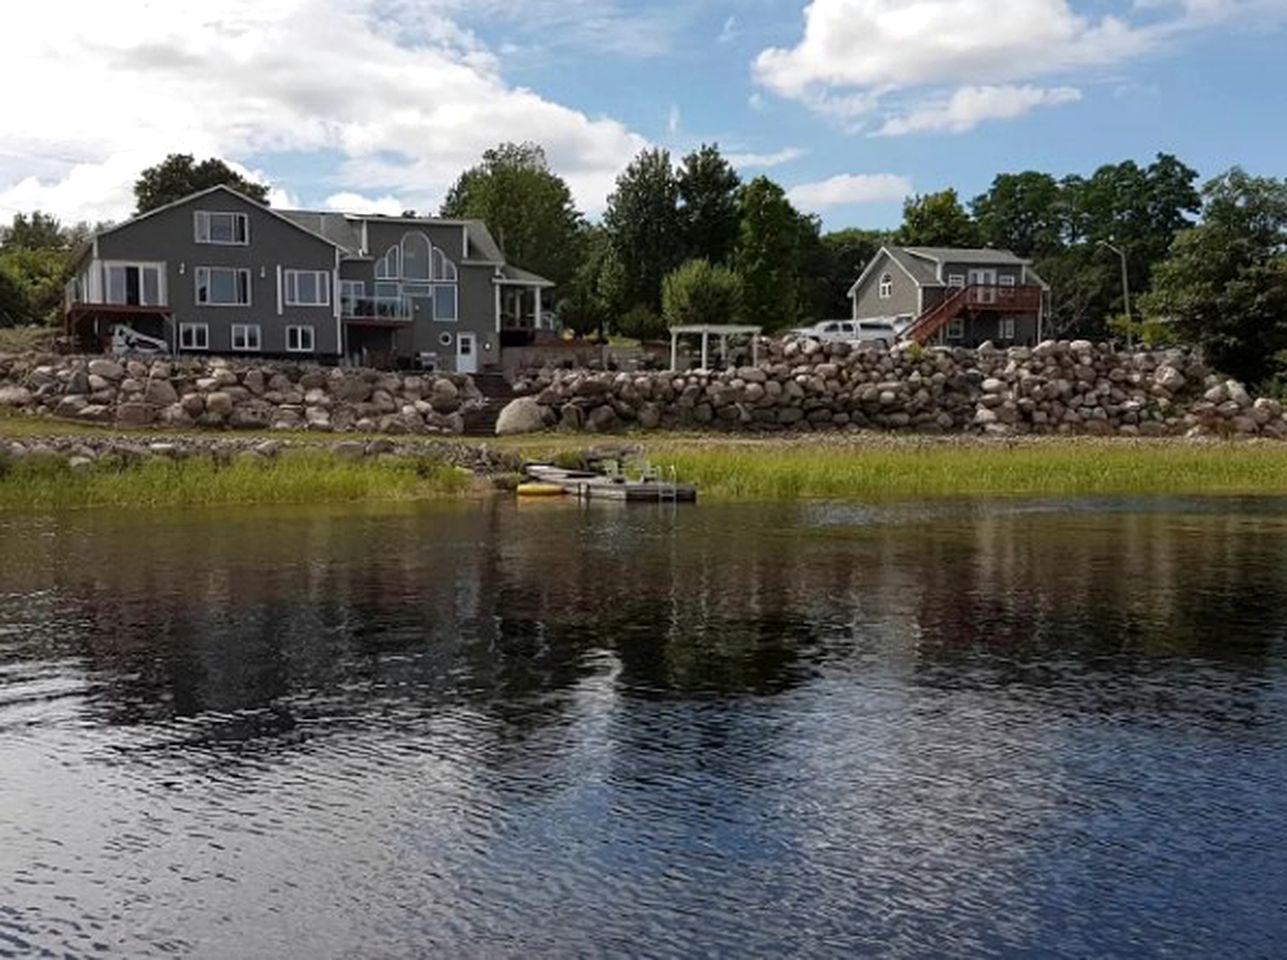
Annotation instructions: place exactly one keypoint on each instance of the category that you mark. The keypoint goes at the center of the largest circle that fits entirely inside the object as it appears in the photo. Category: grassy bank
(299, 477)
(856, 467)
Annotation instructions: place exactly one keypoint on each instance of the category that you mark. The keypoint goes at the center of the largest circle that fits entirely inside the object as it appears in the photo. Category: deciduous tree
(699, 292)
(708, 190)
(646, 226)
(527, 207)
(937, 220)
(179, 175)
(767, 257)
(1224, 285)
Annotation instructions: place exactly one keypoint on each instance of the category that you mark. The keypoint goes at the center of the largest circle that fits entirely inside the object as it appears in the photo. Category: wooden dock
(587, 485)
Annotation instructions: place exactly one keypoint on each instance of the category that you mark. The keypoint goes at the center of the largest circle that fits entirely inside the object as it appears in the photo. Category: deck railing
(382, 309)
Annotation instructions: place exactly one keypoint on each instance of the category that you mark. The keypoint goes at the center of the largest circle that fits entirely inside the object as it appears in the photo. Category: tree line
(690, 241)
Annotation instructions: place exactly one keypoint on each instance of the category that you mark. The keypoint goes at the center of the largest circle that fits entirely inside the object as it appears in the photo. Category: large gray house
(956, 296)
(218, 272)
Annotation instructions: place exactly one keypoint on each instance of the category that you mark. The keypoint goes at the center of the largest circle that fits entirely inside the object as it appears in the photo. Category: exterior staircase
(497, 393)
(925, 327)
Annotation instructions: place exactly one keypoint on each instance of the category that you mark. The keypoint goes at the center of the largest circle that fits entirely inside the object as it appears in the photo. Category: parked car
(128, 340)
(876, 332)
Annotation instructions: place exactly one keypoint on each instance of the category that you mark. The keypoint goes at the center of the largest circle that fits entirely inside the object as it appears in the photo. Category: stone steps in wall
(498, 393)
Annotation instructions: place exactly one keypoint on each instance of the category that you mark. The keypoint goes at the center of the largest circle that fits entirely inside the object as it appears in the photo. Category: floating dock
(587, 485)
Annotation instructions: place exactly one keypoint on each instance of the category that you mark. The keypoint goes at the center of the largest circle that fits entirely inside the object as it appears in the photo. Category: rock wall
(85, 451)
(219, 393)
(1057, 387)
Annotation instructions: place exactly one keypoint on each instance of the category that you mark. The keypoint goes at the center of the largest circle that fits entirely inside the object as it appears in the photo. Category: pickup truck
(876, 332)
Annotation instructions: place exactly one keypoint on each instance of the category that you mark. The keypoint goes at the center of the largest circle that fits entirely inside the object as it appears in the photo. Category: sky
(378, 105)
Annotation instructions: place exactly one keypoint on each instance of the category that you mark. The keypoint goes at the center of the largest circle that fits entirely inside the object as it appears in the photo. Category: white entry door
(986, 281)
(466, 353)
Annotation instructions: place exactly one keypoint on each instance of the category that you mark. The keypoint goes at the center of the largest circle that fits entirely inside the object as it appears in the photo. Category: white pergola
(706, 331)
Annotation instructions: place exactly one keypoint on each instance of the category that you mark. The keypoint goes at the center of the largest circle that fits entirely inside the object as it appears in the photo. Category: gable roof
(217, 188)
(922, 264)
(343, 230)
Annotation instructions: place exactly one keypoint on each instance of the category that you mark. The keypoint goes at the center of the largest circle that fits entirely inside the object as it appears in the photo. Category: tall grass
(906, 470)
(295, 477)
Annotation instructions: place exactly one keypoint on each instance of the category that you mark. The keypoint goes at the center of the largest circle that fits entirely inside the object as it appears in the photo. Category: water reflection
(491, 729)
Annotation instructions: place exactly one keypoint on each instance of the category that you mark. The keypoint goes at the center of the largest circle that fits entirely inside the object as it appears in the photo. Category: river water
(544, 730)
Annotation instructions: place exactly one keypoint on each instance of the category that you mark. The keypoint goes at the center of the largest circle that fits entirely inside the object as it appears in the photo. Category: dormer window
(227, 229)
(886, 286)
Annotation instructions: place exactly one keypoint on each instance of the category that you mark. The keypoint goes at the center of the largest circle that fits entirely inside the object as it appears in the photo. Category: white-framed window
(1006, 280)
(444, 270)
(956, 280)
(416, 257)
(228, 229)
(886, 286)
(308, 288)
(222, 286)
(351, 291)
(299, 339)
(1007, 328)
(194, 336)
(245, 336)
(956, 328)
(446, 303)
(389, 267)
(134, 284)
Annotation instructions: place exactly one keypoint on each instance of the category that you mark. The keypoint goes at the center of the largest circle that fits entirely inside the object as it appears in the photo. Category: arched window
(416, 257)
(444, 271)
(388, 267)
(886, 286)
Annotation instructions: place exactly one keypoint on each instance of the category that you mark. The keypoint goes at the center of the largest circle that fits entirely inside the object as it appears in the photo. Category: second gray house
(952, 295)
(217, 272)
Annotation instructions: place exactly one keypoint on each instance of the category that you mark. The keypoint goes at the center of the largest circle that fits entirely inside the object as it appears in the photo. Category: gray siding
(476, 303)
(1003, 270)
(905, 298)
(274, 243)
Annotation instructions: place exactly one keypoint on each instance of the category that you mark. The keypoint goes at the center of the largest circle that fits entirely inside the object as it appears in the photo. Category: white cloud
(356, 203)
(765, 160)
(850, 188)
(404, 98)
(969, 106)
(728, 33)
(673, 120)
(857, 55)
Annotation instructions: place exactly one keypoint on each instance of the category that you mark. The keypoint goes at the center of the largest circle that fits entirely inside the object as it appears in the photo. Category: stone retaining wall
(219, 393)
(1057, 387)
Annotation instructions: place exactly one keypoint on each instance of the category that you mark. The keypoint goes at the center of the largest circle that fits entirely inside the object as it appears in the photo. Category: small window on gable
(886, 286)
(227, 229)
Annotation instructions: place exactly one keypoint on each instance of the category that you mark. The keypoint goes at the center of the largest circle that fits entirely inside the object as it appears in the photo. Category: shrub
(641, 323)
(701, 293)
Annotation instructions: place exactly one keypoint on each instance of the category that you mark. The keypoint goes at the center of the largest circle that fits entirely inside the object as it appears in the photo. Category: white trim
(204, 193)
(472, 338)
(872, 266)
(322, 286)
(297, 329)
(335, 302)
(206, 216)
(280, 291)
(955, 276)
(162, 285)
(196, 287)
(464, 242)
(203, 327)
(244, 329)
(497, 288)
(886, 288)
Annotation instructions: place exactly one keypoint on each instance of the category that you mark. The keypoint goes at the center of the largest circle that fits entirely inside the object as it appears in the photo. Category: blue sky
(378, 104)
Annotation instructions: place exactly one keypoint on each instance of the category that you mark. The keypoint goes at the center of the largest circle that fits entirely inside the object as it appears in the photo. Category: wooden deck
(594, 486)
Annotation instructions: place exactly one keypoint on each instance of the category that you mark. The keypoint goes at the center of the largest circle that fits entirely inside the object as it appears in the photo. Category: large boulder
(107, 369)
(523, 415)
(14, 396)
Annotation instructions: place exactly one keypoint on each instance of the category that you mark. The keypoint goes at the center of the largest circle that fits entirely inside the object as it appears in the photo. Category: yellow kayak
(534, 489)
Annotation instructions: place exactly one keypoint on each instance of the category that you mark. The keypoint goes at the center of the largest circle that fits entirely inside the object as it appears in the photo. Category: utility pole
(1126, 293)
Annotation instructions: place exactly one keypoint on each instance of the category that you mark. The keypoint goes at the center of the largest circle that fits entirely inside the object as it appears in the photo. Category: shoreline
(54, 469)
